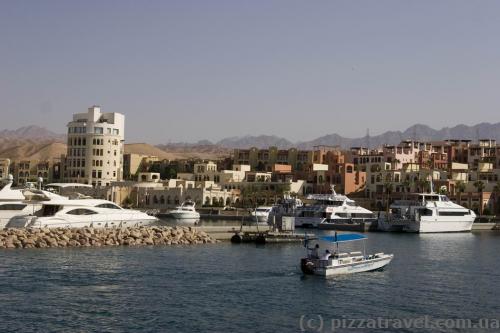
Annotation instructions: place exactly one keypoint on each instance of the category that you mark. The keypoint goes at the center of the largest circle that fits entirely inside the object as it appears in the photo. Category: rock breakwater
(96, 237)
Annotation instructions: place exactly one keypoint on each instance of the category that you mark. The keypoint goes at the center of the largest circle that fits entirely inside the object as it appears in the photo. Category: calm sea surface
(244, 288)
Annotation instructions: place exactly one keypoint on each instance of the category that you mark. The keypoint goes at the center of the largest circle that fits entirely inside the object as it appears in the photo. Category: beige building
(4, 167)
(95, 147)
(132, 164)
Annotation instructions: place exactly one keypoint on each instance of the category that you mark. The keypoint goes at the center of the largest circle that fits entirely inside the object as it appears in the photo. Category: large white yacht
(80, 213)
(26, 201)
(328, 209)
(427, 212)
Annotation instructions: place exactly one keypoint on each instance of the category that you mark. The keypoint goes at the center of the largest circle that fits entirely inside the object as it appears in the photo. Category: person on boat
(315, 252)
(326, 256)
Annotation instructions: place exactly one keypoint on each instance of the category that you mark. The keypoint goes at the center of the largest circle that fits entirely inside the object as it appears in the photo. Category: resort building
(31, 171)
(95, 147)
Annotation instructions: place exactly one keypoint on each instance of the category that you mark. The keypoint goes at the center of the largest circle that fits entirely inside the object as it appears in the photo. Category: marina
(139, 289)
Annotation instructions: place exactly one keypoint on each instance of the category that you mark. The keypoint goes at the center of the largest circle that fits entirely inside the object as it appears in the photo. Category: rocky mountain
(255, 141)
(417, 132)
(34, 142)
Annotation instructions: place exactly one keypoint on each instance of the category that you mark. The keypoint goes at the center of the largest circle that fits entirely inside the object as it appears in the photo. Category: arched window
(155, 199)
(176, 200)
(228, 201)
(169, 200)
(349, 169)
(207, 201)
(162, 199)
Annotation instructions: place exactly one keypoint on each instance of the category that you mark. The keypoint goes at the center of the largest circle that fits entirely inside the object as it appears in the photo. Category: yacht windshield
(108, 205)
(50, 210)
(335, 203)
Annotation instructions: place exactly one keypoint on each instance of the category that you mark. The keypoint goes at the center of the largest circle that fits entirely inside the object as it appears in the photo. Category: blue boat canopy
(338, 238)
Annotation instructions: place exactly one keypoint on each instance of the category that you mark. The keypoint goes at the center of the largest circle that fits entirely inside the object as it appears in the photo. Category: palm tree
(479, 185)
(460, 188)
(496, 191)
(388, 190)
(422, 184)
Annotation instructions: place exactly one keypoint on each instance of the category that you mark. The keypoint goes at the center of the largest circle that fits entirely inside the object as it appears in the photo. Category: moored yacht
(261, 214)
(427, 212)
(82, 213)
(330, 209)
(185, 211)
(18, 202)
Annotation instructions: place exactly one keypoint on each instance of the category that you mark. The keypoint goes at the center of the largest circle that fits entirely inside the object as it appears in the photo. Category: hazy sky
(190, 70)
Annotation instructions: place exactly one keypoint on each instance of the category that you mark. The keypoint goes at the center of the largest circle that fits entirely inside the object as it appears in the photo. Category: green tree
(388, 188)
(496, 192)
(460, 188)
(479, 185)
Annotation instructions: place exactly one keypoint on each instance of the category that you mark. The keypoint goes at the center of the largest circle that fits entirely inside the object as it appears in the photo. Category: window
(12, 207)
(81, 211)
(116, 132)
(98, 130)
(108, 205)
(456, 213)
(49, 210)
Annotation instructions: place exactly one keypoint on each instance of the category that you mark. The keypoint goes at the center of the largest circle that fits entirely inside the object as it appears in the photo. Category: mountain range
(34, 142)
(417, 132)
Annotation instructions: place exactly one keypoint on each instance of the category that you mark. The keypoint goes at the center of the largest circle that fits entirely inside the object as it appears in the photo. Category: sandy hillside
(46, 150)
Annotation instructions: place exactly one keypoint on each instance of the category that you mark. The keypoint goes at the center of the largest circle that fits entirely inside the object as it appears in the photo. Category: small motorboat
(341, 263)
(185, 211)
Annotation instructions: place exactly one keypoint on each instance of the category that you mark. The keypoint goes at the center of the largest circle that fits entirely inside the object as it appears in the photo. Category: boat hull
(261, 218)
(426, 226)
(445, 226)
(185, 215)
(321, 268)
(308, 222)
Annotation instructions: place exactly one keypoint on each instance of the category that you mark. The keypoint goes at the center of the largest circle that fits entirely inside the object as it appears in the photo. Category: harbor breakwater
(93, 237)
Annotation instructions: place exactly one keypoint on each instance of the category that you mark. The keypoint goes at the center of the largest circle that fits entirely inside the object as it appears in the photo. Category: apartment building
(95, 147)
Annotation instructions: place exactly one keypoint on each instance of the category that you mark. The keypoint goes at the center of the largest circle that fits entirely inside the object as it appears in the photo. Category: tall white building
(95, 147)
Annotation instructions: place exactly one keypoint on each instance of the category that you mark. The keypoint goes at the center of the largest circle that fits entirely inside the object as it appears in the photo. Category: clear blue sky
(190, 70)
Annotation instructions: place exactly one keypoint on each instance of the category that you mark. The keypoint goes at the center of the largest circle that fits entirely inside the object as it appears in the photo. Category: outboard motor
(307, 266)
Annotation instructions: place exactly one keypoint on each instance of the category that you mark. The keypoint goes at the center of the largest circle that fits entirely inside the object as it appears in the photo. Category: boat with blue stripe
(333, 262)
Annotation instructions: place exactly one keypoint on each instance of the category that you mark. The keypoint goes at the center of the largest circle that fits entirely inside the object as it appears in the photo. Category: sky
(191, 70)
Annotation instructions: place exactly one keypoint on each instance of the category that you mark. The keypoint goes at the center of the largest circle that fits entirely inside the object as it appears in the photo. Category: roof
(338, 238)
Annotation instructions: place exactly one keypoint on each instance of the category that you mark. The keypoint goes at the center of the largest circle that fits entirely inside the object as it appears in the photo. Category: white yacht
(427, 212)
(337, 263)
(80, 213)
(185, 211)
(261, 214)
(16, 202)
(330, 209)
